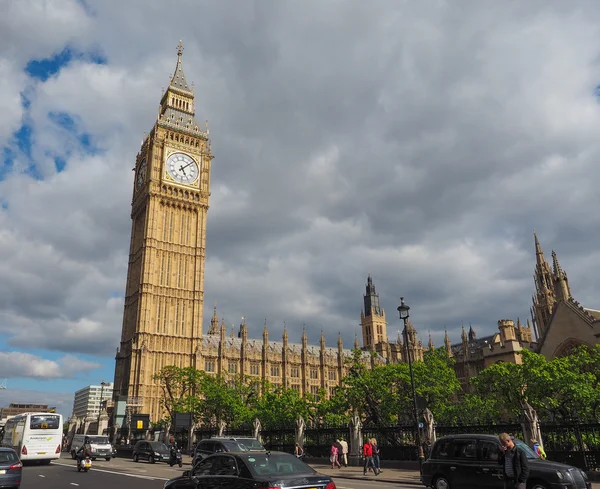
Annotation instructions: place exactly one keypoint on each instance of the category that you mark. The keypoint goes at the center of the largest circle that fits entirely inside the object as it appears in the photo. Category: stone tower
(162, 319)
(552, 286)
(372, 318)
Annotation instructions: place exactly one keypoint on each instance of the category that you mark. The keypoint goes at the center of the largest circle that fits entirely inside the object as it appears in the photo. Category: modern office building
(87, 400)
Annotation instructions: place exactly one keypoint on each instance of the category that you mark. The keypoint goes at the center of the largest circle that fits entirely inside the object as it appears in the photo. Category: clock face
(141, 175)
(182, 168)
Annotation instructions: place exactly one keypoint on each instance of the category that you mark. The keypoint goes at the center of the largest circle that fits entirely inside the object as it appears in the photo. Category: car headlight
(560, 475)
(157, 454)
(93, 450)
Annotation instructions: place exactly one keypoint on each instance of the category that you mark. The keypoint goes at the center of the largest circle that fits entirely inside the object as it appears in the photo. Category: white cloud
(18, 365)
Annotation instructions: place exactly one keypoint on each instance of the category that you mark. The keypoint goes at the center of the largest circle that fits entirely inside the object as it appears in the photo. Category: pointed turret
(304, 338)
(447, 343)
(463, 335)
(356, 343)
(472, 334)
(177, 104)
(322, 340)
(178, 79)
(340, 343)
(430, 344)
(214, 323)
(561, 282)
(265, 333)
(545, 297)
(285, 334)
(244, 331)
(223, 332)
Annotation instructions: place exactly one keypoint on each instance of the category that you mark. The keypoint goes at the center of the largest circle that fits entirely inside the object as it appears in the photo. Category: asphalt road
(125, 474)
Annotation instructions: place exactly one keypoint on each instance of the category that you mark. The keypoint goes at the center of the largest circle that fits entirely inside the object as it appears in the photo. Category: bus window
(41, 422)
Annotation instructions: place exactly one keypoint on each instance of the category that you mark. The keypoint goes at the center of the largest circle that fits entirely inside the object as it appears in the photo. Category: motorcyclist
(84, 451)
(173, 451)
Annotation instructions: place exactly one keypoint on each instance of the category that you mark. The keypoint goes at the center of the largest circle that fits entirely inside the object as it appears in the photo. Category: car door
(225, 468)
(489, 470)
(204, 475)
(463, 464)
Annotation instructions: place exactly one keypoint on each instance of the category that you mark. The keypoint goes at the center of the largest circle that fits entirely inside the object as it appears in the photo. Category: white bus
(35, 436)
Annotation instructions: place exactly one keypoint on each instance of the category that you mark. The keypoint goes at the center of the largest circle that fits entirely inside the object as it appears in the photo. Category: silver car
(10, 468)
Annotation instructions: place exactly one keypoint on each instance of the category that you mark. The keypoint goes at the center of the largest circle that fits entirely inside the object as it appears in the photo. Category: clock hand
(191, 162)
(182, 169)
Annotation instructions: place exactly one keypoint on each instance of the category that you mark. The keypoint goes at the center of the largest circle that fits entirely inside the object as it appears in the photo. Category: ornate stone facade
(300, 366)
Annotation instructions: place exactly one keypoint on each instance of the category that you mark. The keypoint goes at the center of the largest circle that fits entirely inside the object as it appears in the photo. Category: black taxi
(471, 462)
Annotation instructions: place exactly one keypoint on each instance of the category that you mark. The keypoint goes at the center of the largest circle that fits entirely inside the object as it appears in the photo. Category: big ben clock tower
(164, 296)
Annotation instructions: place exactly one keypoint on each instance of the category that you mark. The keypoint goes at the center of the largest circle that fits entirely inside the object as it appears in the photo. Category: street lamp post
(404, 315)
(102, 384)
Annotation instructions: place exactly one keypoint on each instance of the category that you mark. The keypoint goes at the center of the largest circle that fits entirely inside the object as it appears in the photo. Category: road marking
(40, 475)
(73, 484)
(146, 477)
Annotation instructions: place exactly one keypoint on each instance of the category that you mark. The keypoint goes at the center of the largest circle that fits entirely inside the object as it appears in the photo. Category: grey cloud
(419, 142)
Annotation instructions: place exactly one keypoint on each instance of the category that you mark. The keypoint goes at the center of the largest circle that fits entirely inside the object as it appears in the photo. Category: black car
(153, 451)
(471, 462)
(10, 468)
(251, 470)
(210, 446)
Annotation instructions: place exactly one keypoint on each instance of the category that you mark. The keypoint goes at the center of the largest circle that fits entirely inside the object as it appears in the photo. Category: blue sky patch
(60, 163)
(42, 69)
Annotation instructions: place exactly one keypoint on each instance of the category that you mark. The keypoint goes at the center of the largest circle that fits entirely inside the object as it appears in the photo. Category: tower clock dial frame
(182, 168)
(140, 178)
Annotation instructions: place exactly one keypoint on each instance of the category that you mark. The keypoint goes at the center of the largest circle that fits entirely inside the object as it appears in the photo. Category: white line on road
(40, 475)
(146, 477)
(73, 484)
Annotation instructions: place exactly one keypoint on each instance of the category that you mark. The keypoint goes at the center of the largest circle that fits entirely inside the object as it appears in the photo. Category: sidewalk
(397, 476)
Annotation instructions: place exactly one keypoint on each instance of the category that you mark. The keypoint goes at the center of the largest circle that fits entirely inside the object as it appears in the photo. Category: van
(100, 445)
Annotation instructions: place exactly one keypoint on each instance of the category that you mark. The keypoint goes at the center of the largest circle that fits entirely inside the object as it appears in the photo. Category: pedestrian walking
(344, 445)
(376, 461)
(537, 448)
(298, 451)
(368, 454)
(514, 463)
(333, 457)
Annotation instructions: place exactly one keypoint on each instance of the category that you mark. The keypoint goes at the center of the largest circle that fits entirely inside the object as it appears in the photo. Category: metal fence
(573, 444)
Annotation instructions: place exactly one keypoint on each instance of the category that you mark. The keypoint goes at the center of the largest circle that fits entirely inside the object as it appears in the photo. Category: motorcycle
(84, 464)
(175, 457)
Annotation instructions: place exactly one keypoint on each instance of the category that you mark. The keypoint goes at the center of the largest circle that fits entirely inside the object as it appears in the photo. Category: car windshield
(251, 444)
(158, 446)
(529, 453)
(234, 446)
(99, 440)
(276, 463)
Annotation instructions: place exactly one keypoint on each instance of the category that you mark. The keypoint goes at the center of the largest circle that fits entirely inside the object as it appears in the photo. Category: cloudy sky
(420, 142)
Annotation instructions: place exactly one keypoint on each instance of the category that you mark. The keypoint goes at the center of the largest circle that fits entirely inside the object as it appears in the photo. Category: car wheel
(135, 457)
(538, 485)
(181, 464)
(441, 483)
(151, 459)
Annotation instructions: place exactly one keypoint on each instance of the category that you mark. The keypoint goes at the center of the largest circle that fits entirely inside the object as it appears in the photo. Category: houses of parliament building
(164, 294)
